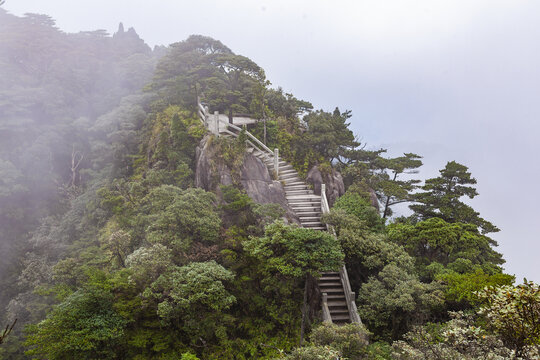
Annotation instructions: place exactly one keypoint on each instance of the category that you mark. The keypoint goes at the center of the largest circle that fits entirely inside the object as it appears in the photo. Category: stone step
(330, 284)
(336, 303)
(294, 183)
(283, 170)
(306, 201)
(332, 277)
(309, 218)
(336, 297)
(322, 228)
(298, 192)
(289, 177)
(308, 207)
(309, 195)
(270, 161)
(303, 207)
(304, 196)
(284, 180)
(339, 311)
(290, 188)
(334, 291)
(311, 224)
(305, 204)
(341, 318)
(309, 214)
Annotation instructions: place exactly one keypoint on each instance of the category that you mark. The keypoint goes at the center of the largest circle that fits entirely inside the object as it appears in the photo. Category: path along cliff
(269, 179)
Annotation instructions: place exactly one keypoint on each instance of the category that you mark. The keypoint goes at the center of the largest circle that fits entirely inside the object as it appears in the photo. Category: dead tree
(6, 331)
(76, 158)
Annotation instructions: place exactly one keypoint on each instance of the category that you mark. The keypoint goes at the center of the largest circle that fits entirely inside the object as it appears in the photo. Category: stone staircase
(338, 301)
(301, 199)
(308, 207)
(330, 284)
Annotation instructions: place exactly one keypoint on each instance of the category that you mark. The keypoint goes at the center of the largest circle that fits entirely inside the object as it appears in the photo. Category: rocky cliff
(252, 175)
(333, 180)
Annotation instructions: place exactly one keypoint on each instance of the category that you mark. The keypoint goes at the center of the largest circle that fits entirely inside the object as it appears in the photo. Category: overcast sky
(449, 80)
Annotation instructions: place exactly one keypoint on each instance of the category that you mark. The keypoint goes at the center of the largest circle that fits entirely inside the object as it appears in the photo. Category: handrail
(350, 296)
(325, 208)
(201, 108)
(264, 147)
(324, 201)
(203, 114)
(325, 309)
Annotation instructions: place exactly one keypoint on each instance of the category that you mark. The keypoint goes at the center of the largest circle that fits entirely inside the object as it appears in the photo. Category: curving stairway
(302, 200)
(338, 301)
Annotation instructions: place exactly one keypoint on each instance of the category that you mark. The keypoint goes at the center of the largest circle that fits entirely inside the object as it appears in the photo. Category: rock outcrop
(333, 180)
(254, 178)
(205, 176)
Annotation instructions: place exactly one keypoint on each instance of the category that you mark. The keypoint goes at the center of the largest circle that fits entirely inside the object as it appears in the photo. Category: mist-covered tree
(85, 325)
(435, 241)
(441, 198)
(393, 190)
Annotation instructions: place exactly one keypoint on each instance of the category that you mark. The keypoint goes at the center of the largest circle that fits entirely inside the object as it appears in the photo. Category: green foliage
(449, 244)
(147, 263)
(512, 312)
(461, 287)
(329, 135)
(457, 339)
(191, 290)
(141, 265)
(188, 356)
(294, 251)
(441, 198)
(313, 352)
(84, 326)
(179, 217)
(349, 339)
(201, 65)
(354, 204)
(395, 299)
(390, 189)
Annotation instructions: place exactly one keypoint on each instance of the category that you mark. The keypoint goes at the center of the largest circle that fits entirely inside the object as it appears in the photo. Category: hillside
(132, 229)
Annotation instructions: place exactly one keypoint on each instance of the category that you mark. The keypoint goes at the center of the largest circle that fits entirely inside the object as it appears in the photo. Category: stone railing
(326, 317)
(216, 125)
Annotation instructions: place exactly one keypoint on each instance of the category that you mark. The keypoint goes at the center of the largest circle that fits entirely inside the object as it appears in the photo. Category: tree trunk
(304, 311)
(230, 116)
(264, 136)
(76, 158)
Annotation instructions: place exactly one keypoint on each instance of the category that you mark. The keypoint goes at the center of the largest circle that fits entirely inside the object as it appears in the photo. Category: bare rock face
(254, 177)
(203, 168)
(373, 200)
(260, 186)
(333, 180)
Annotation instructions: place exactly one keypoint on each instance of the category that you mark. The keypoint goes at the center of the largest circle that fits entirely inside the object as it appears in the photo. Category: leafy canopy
(441, 198)
(294, 251)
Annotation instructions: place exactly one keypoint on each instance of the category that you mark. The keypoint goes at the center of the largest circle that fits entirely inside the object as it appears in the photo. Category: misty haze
(269, 180)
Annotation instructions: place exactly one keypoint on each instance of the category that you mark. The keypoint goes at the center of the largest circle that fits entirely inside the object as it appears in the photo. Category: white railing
(213, 123)
(326, 317)
(216, 125)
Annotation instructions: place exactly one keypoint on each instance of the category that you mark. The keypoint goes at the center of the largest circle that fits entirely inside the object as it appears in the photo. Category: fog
(449, 80)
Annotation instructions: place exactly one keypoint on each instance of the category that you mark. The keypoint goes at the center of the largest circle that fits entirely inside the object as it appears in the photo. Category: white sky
(449, 80)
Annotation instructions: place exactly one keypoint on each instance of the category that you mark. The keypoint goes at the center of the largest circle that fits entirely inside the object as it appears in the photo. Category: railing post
(276, 161)
(216, 123)
(325, 310)
(206, 115)
(323, 193)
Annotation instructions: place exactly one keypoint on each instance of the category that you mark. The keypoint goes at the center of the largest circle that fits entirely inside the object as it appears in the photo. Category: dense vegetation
(111, 252)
